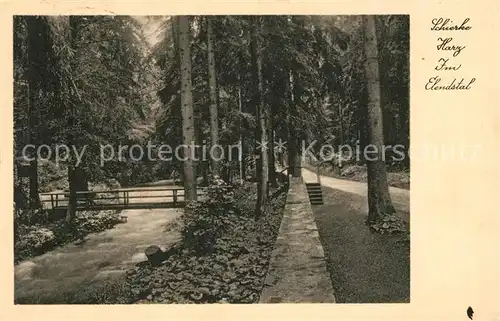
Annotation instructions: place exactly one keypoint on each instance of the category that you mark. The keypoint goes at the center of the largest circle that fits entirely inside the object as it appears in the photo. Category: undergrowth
(224, 253)
(36, 233)
(389, 224)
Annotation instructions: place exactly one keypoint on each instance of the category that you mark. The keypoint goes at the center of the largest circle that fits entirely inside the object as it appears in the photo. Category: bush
(220, 197)
(133, 173)
(251, 174)
(37, 238)
(162, 170)
(107, 292)
(33, 217)
(389, 224)
(34, 240)
(200, 230)
(234, 272)
(352, 170)
(85, 223)
(205, 220)
(52, 176)
(106, 184)
(91, 222)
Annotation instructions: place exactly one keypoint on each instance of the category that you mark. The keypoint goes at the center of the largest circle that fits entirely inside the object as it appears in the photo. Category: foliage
(325, 54)
(106, 292)
(126, 91)
(99, 66)
(90, 222)
(393, 44)
(37, 232)
(34, 240)
(109, 291)
(389, 224)
(52, 176)
(32, 217)
(200, 228)
(220, 197)
(205, 220)
(235, 270)
(95, 80)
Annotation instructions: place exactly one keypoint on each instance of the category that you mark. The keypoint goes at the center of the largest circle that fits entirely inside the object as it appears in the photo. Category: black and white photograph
(222, 159)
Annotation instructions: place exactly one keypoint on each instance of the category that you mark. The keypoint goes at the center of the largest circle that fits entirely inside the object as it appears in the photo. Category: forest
(248, 81)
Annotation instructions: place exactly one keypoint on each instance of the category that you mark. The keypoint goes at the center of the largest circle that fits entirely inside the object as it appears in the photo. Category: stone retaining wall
(297, 270)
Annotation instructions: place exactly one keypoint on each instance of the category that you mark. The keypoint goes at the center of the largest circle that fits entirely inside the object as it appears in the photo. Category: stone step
(315, 193)
(313, 185)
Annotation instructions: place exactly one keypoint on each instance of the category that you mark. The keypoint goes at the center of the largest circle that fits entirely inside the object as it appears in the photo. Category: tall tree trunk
(262, 178)
(32, 133)
(385, 94)
(33, 174)
(337, 165)
(72, 175)
(81, 181)
(240, 134)
(242, 73)
(362, 115)
(341, 125)
(271, 124)
(294, 157)
(379, 200)
(287, 158)
(214, 118)
(203, 164)
(72, 202)
(272, 160)
(176, 108)
(188, 130)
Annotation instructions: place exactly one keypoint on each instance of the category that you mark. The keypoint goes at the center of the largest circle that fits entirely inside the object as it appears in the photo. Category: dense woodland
(96, 80)
(91, 81)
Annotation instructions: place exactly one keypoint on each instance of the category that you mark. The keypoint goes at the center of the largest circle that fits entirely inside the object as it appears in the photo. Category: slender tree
(240, 133)
(176, 108)
(71, 104)
(272, 161)
(261, 113)
(188, 130)
(294, 148)
(214, 118)
(34, 43)
(379, 199)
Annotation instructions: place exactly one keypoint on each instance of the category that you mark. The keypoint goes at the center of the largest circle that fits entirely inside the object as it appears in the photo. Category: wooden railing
(119, 198)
